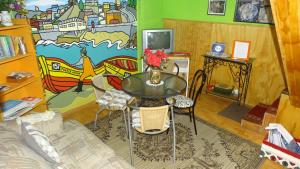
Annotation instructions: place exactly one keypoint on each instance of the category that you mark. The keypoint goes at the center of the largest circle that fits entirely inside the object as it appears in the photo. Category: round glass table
(138, 85)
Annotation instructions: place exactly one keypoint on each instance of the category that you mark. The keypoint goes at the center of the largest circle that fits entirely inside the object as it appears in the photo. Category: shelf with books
(17, 85)
(13, 58)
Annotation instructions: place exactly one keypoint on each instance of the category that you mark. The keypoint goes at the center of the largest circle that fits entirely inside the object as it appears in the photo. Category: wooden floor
(206, 109)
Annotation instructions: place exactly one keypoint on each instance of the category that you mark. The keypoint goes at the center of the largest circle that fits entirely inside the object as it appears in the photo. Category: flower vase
(154, 75)
(6, 18)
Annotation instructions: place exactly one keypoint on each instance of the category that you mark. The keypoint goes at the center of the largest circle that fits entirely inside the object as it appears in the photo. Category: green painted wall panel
(196, 10)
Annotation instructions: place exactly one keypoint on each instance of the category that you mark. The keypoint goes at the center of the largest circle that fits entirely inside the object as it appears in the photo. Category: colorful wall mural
(77, 39)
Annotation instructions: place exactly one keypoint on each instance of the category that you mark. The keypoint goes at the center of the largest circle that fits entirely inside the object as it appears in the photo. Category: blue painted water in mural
(71, 52)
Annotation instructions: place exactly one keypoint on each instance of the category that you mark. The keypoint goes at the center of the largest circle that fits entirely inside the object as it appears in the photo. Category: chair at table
(151, 121)
(186, 105)
(109, 98)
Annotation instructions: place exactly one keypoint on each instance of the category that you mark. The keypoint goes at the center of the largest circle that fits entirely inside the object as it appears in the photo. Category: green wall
(196, 10)
(149, 16)
(151, 13)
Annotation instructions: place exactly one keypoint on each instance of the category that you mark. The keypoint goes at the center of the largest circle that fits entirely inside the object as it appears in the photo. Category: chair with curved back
(151, 121)
(186, 105)
(109, 98)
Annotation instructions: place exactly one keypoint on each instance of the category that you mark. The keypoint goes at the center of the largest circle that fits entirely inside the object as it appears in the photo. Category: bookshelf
(28, 62)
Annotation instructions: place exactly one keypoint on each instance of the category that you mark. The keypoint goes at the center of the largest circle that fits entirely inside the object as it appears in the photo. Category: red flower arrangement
(155, 59)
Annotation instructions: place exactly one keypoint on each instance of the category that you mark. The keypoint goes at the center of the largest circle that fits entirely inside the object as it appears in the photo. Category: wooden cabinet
(31, 86)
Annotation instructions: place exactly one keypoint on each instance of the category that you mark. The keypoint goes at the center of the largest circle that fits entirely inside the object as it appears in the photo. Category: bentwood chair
(151, 121)
(109, 98)
(186, 105)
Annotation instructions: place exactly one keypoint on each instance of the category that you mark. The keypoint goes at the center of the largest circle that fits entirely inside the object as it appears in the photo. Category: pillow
(36, 117)
(48, 123)
(39, 143)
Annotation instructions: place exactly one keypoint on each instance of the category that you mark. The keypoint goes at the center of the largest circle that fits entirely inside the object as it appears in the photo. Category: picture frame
(241, 49)
(216, 7)
(217, 48)
(253, 11)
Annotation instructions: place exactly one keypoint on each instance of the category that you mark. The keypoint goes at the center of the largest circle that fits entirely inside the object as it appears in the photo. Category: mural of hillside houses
(77, 39)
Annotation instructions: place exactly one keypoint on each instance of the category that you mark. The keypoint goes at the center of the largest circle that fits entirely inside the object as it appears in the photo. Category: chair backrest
(197, 85)
(100, 84)
(154, 118)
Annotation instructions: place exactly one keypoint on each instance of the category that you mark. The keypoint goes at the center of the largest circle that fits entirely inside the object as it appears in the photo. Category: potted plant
(9, 6)
(155, 61)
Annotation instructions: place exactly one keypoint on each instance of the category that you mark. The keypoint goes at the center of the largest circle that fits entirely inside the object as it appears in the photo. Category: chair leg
(174, 137)
(130, 139)
(96, 118)
(194, 121)
(125, 122)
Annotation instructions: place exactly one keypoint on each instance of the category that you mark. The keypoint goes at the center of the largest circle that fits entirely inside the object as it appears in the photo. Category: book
(4, 88)
(11, 106)
(31, 101)
(4, 45)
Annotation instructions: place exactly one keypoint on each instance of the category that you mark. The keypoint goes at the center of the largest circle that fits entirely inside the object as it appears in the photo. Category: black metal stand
(240, 72)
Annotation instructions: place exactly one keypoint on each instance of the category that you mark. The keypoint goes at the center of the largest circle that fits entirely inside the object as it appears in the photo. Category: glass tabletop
(137, 85)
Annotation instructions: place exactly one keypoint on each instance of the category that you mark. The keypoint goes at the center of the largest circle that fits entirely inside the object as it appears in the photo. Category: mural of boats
(59, 76)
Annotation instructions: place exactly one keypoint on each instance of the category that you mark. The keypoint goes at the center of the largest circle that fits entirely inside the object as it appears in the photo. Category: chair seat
(114, 99)
(180, 101)
(136, 123)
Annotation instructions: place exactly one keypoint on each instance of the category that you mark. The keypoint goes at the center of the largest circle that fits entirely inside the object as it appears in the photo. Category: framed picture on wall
(241, 49)
(255, 11)
(216, 7)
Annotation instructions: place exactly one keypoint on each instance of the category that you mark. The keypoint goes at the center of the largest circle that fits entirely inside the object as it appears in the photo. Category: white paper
(241, 50)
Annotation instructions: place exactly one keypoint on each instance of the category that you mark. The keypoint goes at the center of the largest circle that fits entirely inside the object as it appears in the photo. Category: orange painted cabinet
(31, 86)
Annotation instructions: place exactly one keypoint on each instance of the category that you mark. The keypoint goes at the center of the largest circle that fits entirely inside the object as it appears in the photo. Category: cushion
(180, 101)
(16, 154)
(114, 99)
(36, 117)
(136, 120)
(49, 127)
(39, 143)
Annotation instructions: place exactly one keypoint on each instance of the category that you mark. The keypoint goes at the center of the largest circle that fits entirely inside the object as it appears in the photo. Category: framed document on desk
(241, 49)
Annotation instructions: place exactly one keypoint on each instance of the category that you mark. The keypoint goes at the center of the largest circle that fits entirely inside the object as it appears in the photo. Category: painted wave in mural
(59, 72)
(71, 52)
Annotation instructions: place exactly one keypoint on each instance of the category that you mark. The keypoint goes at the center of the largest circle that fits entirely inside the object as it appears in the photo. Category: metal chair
(151, 121)
(186, 105)
(109, 98)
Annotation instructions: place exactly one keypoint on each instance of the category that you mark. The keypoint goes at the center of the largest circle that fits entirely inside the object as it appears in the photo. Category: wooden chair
(186, 105)
(109, 98)
(151, 121)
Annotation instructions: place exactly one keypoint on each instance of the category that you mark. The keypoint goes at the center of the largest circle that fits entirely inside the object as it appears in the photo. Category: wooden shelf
(13, 58)
(5, 28)
(231, 96)
(17, 85)
(30, 87)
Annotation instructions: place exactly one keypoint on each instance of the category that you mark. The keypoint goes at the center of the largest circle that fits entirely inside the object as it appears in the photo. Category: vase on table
(154, 75)
(6, 18)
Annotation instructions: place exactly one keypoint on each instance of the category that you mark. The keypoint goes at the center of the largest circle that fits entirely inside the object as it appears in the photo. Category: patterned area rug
(212, 148)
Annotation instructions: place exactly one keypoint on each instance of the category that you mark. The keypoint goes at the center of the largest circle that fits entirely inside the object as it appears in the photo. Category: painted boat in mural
(59, 76)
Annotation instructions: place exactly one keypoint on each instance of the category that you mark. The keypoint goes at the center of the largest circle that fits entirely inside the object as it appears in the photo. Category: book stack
(14, 108)
(18, 76)
(11, 46)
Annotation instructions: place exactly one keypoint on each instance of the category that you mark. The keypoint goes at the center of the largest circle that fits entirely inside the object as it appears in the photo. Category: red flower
(154, 59)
